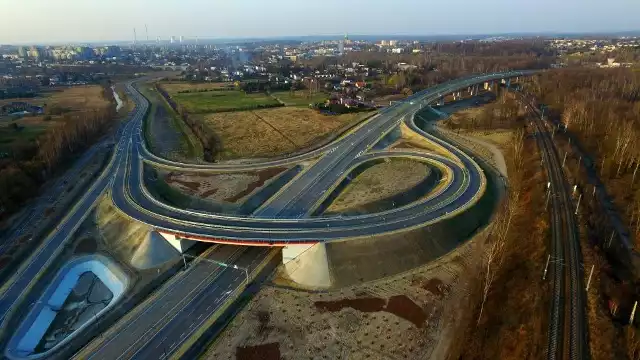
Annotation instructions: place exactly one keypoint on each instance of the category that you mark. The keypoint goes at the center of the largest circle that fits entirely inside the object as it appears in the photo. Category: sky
(48, 21)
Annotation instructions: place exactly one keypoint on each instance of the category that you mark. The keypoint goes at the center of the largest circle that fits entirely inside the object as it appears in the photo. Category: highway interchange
(283, 219)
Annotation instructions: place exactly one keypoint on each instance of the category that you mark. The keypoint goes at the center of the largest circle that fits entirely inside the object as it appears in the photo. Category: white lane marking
(212, 277)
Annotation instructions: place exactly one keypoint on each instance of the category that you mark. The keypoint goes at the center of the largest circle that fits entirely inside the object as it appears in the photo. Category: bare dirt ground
(272, 132)
(379, 182)
(233, 188)
(400, 317)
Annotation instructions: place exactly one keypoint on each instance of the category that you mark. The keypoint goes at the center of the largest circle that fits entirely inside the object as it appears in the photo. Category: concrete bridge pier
(181, 245)
(307, 264)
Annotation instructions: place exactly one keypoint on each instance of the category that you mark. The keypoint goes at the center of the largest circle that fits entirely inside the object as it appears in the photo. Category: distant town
(349, 66)
(267, 199)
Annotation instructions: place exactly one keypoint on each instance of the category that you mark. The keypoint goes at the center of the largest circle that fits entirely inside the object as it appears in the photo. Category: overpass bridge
(285, 219)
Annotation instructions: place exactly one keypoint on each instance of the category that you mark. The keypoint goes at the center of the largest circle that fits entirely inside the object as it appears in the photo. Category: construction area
(400, 317)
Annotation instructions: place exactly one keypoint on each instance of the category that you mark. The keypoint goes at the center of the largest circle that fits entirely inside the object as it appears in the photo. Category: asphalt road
(173, 312)
(15, 288)
(283, 217)
(268, 225)
(37, 208)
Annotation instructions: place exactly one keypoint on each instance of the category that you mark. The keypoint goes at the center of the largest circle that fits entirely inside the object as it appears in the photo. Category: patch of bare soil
(263, 176)
(399, 305)
(259, 352)
(365, 304)
(232, 188)
(437, 287)
(402, 306)
(400, 317)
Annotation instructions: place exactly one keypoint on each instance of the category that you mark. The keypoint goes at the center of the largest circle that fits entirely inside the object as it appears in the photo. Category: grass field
(379, 182)
(299, 98)
(174, 88)
(272, 132)
(27, 133)
(220, 101)
(73, 100)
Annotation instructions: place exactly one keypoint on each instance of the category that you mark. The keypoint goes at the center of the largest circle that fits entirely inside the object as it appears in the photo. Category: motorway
(282, 220)
(15, 288)
(164, 321)
(284, 217)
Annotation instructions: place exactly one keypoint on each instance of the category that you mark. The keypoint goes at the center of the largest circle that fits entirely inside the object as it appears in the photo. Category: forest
(32, 163)
(602, 108)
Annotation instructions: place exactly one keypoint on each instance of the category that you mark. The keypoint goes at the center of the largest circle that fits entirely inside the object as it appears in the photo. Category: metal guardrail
(429, 95)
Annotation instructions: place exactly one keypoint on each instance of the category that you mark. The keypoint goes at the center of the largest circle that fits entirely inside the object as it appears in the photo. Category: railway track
(567, 337)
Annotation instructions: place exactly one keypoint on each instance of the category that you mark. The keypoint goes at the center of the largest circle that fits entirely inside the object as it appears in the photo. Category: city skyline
(75, 20)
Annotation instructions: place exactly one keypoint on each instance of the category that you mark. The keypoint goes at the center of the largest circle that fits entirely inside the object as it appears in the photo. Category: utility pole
(546, 204)
(590, 274)
(610, 239)
(546, 267)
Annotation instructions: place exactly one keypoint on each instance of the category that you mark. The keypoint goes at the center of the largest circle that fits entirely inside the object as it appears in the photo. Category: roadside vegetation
(34, 148)
(165, 133)
(504, 315)
(232, 124)
(598, 116)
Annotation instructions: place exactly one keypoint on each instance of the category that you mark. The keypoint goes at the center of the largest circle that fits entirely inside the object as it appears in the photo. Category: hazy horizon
(60, 21)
